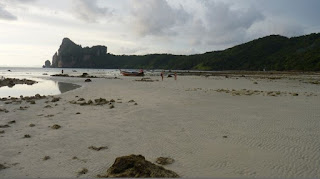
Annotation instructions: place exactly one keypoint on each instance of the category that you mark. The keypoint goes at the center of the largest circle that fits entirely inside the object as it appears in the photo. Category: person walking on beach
(175, 75)
(62, 71)
(162, 75)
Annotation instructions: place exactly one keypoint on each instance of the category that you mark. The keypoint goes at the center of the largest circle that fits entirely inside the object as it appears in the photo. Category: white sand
(267, 136)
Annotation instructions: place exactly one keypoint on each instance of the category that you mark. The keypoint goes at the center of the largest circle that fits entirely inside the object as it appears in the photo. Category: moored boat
(132, 73)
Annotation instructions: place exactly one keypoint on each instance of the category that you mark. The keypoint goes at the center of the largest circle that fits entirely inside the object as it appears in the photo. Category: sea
(45, 85)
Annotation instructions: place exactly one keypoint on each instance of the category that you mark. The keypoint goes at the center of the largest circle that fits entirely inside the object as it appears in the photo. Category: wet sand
(212, 126)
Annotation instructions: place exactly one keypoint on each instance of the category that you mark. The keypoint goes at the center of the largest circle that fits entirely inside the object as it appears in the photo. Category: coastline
(208, 133)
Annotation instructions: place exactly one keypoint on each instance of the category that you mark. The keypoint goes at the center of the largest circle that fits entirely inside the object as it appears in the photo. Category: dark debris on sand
(136, 166)
(46, 158)
(3, 110)
(55, 100)
(95, 102)
(26, 136)
(2, 167)
(12, 122)
(4, 126)
(56, 126)
(83, 172)
(98, 148)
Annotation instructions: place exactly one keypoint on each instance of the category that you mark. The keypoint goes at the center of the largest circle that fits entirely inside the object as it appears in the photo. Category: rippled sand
(207, 133)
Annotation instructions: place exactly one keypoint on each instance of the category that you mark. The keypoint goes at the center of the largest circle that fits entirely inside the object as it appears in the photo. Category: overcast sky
(32, 30)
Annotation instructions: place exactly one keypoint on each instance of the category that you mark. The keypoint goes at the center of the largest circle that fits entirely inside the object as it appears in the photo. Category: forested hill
(271, 53)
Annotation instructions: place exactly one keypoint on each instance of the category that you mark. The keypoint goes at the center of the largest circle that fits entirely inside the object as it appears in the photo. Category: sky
(31, 31)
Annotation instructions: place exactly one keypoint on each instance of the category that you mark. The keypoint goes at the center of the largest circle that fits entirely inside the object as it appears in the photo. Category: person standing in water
(162, 75)
(62, 71)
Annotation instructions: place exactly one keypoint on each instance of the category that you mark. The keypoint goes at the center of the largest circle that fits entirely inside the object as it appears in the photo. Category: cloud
(89, 11)
(222, 24)
(6, 15)
(156, 17)
(279, 26)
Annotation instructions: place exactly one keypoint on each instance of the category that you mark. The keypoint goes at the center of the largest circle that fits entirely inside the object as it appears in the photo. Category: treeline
(271, 53)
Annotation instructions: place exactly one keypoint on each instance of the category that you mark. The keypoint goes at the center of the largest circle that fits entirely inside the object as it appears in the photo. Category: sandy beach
(216, 126)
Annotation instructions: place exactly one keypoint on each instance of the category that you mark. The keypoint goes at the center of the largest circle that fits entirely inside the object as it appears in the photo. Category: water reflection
(43, 87)
(65, 87)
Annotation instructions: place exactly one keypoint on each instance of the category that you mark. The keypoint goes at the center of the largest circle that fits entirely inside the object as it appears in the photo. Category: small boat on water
(132, 73)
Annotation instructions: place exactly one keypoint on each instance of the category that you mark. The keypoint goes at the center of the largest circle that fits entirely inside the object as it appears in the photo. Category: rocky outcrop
(71, 55)
(47, 64)
(10, 82)
(136, 166)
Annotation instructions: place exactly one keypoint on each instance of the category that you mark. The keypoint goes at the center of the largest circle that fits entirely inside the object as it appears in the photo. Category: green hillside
(271, 53)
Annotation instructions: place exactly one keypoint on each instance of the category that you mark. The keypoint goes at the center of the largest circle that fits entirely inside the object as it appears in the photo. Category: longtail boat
(132, 73)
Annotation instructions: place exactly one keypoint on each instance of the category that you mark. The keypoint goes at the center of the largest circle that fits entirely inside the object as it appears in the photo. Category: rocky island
(71, 55)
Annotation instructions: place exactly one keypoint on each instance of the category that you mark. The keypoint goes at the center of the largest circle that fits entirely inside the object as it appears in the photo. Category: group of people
(162, 75)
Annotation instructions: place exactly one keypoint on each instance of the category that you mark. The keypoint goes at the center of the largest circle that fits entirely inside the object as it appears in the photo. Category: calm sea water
(45, 85)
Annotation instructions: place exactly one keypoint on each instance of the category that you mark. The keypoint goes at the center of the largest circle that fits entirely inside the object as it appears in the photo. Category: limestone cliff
(71, 55)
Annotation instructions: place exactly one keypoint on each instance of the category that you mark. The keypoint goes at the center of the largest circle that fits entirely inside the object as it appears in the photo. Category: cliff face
(71, 55)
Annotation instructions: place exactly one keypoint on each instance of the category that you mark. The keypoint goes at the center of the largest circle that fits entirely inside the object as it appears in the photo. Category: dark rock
(87, 80)
(164, 160)
(83, 171)
(225, 137)
(135, 103)
(3, 110)
(90, 102)
(27, 136)
(2, 132)
(23, 107)
(48, 106)
(60, 75)
(84, 74)
(55, 100)
(4, 126)
(131, 101)
(32, 125)
(112, 101)
(111, 106)
(2, 167)
(78, 113)
(97, 148)
(101, 101)
(12, 122)
(56, 126)
(81, 99)
(135, 166)
(46, 158)
(32, 102)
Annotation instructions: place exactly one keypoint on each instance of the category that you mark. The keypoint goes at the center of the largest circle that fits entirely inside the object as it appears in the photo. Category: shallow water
(43, 87)
(46, 72)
